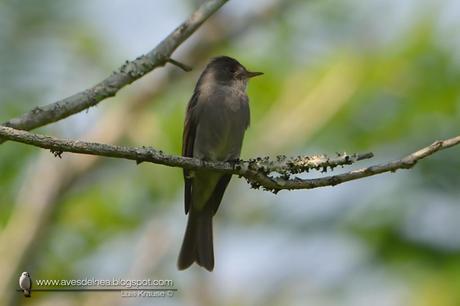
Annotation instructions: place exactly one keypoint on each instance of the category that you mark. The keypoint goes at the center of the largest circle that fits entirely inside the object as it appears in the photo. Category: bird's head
(227, 71)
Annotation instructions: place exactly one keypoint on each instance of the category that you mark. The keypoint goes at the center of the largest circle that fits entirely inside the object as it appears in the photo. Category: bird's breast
(221, 125)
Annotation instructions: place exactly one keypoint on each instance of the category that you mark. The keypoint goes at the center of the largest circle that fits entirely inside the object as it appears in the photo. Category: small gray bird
(216, 119)
(25, 283)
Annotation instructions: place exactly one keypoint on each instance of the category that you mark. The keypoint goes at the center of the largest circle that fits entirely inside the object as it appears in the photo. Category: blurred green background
(354, 76)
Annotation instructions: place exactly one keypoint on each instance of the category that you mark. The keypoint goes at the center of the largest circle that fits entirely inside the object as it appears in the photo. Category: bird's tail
(27, 293)
(197, 245)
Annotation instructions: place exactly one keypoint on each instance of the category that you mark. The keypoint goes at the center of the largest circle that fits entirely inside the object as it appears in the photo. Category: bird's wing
(218, 193)
(188, 141)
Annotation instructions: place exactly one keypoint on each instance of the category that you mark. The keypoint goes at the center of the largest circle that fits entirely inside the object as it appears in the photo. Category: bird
(25, 283)
(216, 119)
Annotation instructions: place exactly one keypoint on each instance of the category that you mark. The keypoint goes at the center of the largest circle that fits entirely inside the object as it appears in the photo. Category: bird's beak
(250, 74)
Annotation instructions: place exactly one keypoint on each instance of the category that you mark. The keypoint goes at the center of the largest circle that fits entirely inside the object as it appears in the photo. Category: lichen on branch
(271, 174)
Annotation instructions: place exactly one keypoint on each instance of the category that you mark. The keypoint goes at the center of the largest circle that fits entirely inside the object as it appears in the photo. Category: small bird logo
(25, 282)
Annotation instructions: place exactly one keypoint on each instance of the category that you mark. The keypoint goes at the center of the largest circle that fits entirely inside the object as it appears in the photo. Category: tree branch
(126, 74)
(182, 66)
(272, 175)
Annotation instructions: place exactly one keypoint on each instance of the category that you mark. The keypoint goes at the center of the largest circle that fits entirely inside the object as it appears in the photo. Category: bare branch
(272, 175)
(182, 66)
(126, 74)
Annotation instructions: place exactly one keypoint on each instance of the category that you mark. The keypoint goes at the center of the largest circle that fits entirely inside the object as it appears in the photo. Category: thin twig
(259, 171)
(126, 74)
(182, 66)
